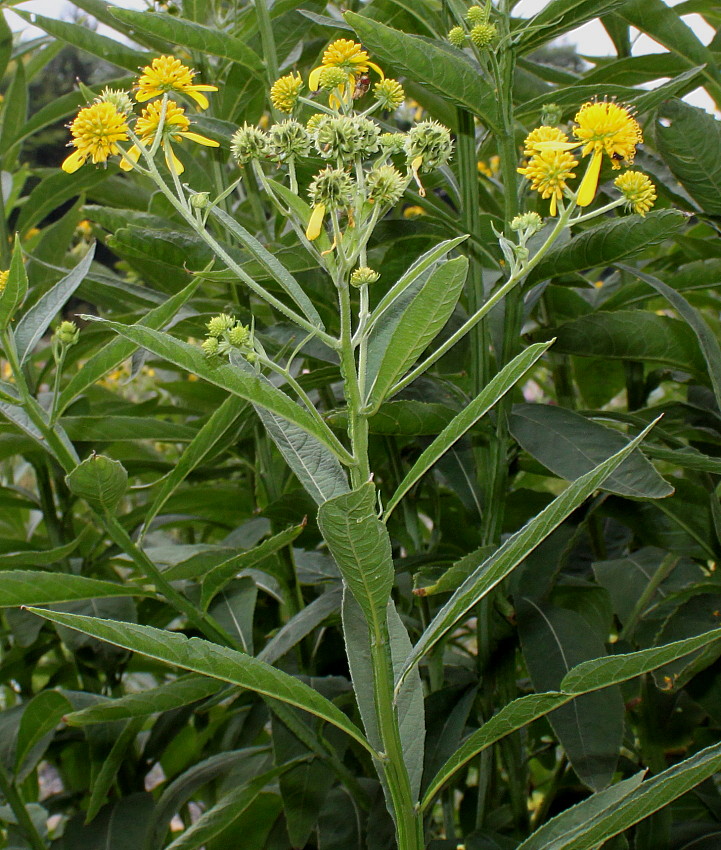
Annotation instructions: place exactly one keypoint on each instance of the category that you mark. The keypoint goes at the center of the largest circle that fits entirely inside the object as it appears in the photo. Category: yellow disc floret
(284, 92)
(4, 279)
(96, 132)
(548, 172)
(175, 127)
(637, 189)
(536, 140)
(166, 74)
(349, 57)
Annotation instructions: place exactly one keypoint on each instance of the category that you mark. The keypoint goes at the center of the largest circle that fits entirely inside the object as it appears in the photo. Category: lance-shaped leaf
(585, 678)
(360, 544)
(16, 286)
(559, 17)
(269, 262)
(441, 67)
(27, 587)
(301, 625)
(494, 569)
(421, 322)
(37, 319)
(247, 385)
(481, 404)
(218, 662)
(100, 480)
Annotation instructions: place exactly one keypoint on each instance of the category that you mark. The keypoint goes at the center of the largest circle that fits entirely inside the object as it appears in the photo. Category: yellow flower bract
(349, 57)
(96, 131)
(165, 74)
(548, 171)
(175, 128)
(637, 189)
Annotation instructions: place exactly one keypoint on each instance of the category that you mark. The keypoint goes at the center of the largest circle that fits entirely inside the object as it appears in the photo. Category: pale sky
(591, 39)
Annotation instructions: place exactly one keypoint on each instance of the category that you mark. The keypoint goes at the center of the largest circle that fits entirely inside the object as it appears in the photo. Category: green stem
(265, 25)
(665, 568)
(357, 421)
(14, 800)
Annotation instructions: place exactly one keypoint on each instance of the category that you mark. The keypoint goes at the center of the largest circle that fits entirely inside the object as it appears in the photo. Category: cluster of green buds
(66, 334)
(226, 334)
(478, 27)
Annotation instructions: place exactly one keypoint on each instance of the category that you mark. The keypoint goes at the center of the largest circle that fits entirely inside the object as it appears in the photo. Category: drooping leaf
(559, 17)
(26, 587)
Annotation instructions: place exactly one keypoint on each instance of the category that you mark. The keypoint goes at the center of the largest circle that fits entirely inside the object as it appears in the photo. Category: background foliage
(109, 747)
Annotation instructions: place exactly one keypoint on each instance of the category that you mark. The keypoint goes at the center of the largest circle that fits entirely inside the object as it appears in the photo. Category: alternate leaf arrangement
(460, 641)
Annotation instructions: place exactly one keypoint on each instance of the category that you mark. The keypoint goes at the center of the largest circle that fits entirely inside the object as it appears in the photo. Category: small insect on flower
(175, 124)
(637, 189)
(285, 91)
(166, 74)
(349, 57)
(96, 131)
(548, 172)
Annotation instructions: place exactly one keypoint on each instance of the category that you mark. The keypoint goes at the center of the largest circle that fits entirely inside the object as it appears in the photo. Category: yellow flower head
(4, 280)
(285, 91)
(175, 128)
(96, 131)
(637, 189)
(165, 74)
(491, 168)
(536, 138)
(548, 171)
(349, 57)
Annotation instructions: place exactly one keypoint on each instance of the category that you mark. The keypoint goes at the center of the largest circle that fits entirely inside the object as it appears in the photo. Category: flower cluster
(481, 31)
(601, 127)
(98, 129)
(226, 333)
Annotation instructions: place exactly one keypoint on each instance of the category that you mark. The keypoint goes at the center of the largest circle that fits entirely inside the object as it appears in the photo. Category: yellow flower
(166, 73)
(4, 280)
(548, 171)
(175, 128)
(349, 57)
(96, 132)
(285, 91)
(491, 168)
(637, 189)
(537, 138)
(413, 212)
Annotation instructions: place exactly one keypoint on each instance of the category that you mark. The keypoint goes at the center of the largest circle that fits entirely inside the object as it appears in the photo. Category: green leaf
(86, 39)
(559, 17)
(609, 242)
(219, 576)
(201, 656)
(122, 825)
(100, 480)
(269, 262)
(37, 319)
(443, 68)
(401, 418)
(40, 718)
(420, 323)
(55, 190)
(105, 777)
(20, 588)
(631, 335)
(15, 111)
(16, 287)
(706, 338)
(689, 139)
(505, 380)
(361, 547)
(570, 444)
(205, 40)
(89, 429)
(244, 384)
(301, 625)
(512, 551)
(111, 355)
(41, 558)
(184, 690)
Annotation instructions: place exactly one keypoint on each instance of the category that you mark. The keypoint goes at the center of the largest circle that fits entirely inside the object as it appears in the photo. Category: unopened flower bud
(332, 77)
(389, 94)
(385, 185)
(67, 333)
(210, 346)
(551, 114)
(332, 188)
(477, 15)
(457, 36)
(429, 142)
(249, 143)
(200, 200)
(530, 222)
(363, 275)
(118, 98)
(239, 336)
(392, 143)
(288, 139)
(483, 35)
(218, 325)
(311, 125)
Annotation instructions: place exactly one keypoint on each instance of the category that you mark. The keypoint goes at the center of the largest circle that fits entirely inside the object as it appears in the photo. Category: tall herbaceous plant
(345, 300)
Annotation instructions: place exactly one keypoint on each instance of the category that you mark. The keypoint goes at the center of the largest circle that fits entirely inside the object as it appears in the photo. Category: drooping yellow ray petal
(73, 162)
(315, 224)
(134, 155)
(589, 184)
(554, 204)
(201, 140)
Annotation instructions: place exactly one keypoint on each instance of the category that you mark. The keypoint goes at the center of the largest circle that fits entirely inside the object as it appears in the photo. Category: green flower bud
(457, 36)
(429, 142)
(239, 335)
(218, 325)
(120, 99)
(332, 77)
(385, 185)
(312, 123)
(368, 134)
(483, 35)
(67, 333)
(363, 276)
(530, 221)
(551, 115)
(249, 143)
(477, 15)
(210, 346)
(200, 200)
(389, 93)
(392, 143)
(343, 137)
(332, 188)
(288, 139)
